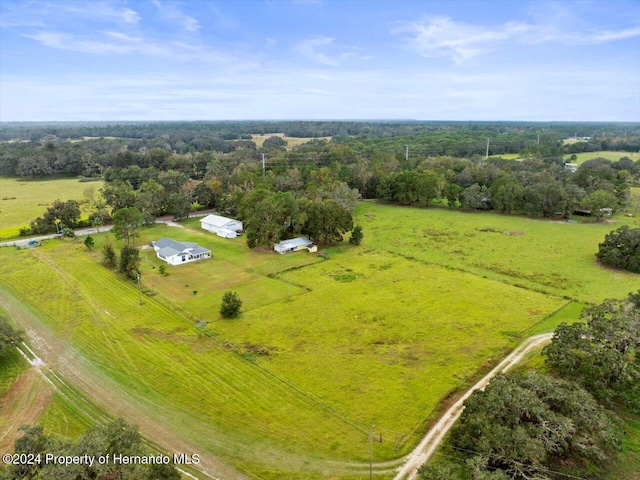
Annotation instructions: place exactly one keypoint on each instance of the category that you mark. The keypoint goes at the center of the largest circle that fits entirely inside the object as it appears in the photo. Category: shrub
(130, 261)
(231, 304)
(356, 235)
(109, 258)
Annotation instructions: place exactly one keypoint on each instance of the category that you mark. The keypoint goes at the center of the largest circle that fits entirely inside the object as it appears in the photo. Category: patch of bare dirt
(24, 403)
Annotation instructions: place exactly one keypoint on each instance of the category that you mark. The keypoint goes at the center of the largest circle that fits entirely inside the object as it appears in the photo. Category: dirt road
(434, 436)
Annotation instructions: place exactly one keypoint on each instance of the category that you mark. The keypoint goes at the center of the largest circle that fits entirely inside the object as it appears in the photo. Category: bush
(231, 304)
(88, 242)
(109, 258)
(356, 235)
(130, 261)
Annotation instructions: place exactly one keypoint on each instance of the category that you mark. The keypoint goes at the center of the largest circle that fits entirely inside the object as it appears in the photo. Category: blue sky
(319, 59)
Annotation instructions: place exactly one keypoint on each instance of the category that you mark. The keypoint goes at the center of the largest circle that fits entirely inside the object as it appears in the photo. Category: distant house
(294, 245)
(177, 253)
(222, 226)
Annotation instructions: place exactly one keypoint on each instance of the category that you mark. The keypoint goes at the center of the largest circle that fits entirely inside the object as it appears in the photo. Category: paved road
(434, 436)
(24, 242)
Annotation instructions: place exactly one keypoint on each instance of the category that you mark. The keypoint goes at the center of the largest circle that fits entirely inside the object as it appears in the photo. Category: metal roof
(294, 242)
(217, 220)
(169, 247)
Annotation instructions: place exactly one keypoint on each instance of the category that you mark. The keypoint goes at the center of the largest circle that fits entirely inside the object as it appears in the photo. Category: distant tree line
(312, 188)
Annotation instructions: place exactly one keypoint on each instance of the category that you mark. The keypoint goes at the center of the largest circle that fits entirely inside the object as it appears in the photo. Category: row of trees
(92, 149)
(536, 426)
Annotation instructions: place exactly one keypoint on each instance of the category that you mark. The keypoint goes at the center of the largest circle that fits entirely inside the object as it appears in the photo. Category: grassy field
(23, 200)
(609, 155)
(379, 334)
(544, 255)
(291, 141)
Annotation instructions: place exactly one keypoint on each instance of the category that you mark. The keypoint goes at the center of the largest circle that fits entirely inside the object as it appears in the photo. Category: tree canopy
(603, 353)
(8, 335)
(621, 249)
(523, 425)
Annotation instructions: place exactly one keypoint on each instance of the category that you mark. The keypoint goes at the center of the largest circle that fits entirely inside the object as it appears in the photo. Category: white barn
(221, 226)
(294, 245)
(177, 253)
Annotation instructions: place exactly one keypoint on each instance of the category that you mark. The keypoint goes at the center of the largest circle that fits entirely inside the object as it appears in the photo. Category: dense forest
(312, 188)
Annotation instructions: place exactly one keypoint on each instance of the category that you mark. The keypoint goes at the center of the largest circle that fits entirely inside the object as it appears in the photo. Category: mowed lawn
(23, 200)
(550, 256)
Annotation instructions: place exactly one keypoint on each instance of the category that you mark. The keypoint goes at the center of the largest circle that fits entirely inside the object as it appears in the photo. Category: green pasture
(322, 350)
(545, 255)
(379, 334)
(609, 155)
(23, 200)
(507, 156)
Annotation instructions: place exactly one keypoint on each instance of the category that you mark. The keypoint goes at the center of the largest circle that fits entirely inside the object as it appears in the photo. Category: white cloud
(444, 37)
(324, 50)
(170, 11)
(441, 36)
(104, 44)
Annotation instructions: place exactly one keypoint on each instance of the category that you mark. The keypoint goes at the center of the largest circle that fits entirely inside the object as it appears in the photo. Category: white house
(294, 245)
(221, 226)
(177, 253)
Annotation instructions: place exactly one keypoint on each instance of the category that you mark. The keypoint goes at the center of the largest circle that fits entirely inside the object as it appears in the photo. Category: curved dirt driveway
(434, 436)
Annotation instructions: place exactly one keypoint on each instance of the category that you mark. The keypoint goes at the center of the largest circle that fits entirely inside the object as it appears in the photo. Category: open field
(377, 334)
(291, 141)
(609, 155)
(507, 156)
(23, 200)
(545, 255)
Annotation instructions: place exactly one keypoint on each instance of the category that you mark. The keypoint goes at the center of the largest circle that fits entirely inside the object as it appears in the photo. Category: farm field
(609, 155)
(324, 348)
(23, 200)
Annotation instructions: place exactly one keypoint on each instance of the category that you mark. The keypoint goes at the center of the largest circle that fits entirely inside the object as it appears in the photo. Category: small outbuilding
(294, 245)
(177, 253)
(222, 226)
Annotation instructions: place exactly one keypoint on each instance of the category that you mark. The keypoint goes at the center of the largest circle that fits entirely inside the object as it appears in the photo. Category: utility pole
(538, 139)
(487, 156)
(263, 167)
(371, 452)
(139, 289)
(406, 153)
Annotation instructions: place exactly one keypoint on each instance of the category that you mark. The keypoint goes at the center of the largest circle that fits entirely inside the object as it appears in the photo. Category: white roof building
(221, 226)
(294, 245)
(177, 253)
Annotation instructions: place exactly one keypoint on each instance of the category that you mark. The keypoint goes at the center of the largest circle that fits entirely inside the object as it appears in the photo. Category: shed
(295, 244)
(221, 226)
(177, 253)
